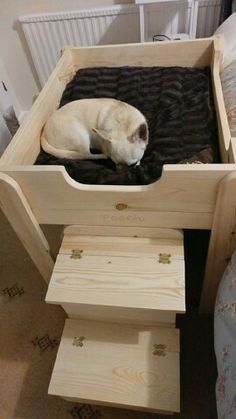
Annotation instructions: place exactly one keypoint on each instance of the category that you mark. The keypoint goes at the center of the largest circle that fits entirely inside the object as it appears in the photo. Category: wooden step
(134, 279)
(128, 366)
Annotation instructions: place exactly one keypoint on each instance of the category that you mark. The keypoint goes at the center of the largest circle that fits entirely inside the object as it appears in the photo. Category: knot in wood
(164, 258)
(121, 206)
(78, 341)
(159, 350)
(76, 254)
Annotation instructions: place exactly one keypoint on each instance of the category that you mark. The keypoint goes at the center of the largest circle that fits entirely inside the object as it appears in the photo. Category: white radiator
(48, 33)
(208, 17)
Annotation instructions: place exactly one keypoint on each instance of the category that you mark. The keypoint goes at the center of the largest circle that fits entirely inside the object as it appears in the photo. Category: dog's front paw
(120, 167)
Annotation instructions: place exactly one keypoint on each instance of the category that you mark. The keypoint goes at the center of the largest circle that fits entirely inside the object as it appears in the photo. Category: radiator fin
(47, 33)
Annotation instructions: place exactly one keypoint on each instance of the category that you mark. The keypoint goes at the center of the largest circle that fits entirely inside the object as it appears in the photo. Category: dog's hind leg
(97, 156)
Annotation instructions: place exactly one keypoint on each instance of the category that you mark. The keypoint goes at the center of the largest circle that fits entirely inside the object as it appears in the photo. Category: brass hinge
(78, 341)
(76, 254)
(164, 258)
(159, 350)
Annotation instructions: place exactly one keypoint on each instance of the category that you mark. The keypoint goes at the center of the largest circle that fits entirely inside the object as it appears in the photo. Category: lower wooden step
(128, 366)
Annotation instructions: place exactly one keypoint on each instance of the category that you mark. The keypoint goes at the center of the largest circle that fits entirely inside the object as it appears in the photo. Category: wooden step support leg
(19, 214)
(222, 241)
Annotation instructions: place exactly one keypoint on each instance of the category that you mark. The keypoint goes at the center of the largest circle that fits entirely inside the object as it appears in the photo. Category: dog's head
(123, 147)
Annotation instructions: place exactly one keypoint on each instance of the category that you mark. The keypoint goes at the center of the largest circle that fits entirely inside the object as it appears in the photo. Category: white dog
(113, 127)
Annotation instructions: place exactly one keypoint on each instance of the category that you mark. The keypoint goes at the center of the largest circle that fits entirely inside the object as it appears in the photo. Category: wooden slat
(222, 241)
(223, 126)
(193, 53)
(170, 202)
(156, 233)
(164, 219)
(120, 314)
(123, 246)
(116, 366)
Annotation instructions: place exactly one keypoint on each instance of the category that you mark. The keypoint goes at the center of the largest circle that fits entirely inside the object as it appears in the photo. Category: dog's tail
(68, 154)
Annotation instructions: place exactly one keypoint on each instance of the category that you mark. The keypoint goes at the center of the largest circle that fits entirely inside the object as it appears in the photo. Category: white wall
(5, 135)
(14, 51)
(22, 79)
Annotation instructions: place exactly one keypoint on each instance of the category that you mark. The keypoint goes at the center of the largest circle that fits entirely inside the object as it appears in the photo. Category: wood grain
(224, 136)
(156, 233)
(120, 314)
(119, 272)
(222, 241)
(116, 366)
(191, 53)
(171, 202)
(25, 145)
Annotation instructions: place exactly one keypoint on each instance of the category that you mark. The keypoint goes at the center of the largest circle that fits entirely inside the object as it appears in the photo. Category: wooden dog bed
(184, 197)
(179, 108)
(128, 238)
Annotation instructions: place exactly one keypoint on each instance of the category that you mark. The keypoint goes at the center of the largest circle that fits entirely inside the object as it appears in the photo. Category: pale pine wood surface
(224, 136)
(222, 241)
(25, 145)
(156, 233)
(184, 197)
(119, 272)
(144, 316)
(116, 366)
(123, 246)
(192, 53)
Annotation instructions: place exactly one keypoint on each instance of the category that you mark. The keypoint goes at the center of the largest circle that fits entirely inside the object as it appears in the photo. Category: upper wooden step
(119, 273)
(120, 365)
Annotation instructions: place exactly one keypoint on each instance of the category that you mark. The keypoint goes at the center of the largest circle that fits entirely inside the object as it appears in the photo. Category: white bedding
(225, 343)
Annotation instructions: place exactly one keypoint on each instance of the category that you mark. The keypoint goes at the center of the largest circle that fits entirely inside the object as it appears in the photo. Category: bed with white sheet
(225, 306)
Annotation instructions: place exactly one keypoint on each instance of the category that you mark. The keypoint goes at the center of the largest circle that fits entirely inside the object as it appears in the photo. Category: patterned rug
(30, 332)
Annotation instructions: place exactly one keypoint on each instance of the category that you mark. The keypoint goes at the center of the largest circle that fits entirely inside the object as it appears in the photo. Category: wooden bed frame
(192, 196)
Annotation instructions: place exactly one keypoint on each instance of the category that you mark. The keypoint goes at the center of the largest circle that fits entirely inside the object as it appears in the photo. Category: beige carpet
(30, 331)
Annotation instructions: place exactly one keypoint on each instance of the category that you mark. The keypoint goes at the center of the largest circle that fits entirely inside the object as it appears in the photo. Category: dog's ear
(142, 132)
(103, 134)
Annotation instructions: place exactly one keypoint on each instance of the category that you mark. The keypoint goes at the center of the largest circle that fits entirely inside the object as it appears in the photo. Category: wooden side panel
(120, 315)
(184, 197)
(223, 126)
(222, 241)
(194, 53)
(118, 365)
(25, 146)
